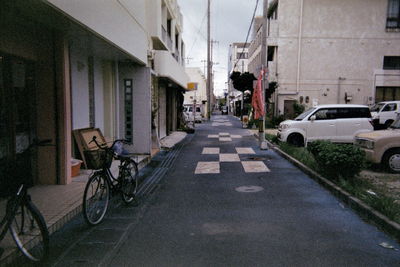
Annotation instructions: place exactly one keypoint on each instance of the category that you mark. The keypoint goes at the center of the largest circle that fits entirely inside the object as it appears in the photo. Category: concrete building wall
(327, 49)
(104, 18)
(141, 105)
(79, 84)
(197, 76)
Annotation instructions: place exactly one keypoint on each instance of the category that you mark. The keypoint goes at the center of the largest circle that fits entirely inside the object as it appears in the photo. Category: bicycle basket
(99, 158)
(11, 177)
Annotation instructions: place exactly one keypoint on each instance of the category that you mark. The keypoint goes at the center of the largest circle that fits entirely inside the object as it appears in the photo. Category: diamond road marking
(229, 157)
(254, 166)
(210, 150)
(224, 139)
(205, 167)
(213, 136)
(245, 150)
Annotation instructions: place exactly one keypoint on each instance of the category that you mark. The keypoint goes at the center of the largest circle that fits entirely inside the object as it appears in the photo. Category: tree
(243, 82)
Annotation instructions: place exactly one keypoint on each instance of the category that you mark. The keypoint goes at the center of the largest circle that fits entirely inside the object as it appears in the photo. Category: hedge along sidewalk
(360, 206)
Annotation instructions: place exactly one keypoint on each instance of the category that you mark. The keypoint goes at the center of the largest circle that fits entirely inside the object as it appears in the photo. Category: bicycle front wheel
(29, 231)
(129, 181)
(95, 199)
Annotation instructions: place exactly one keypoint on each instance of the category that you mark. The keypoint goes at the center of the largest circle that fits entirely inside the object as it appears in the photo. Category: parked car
(385, 113)
(336, 123)
(224, 110)
(383, 146)
(190, 115)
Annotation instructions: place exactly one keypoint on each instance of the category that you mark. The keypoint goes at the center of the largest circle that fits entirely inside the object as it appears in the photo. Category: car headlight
(368, 144)
(284, 126)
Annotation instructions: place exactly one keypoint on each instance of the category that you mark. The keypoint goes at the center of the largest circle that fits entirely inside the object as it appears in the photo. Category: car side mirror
(313, 118)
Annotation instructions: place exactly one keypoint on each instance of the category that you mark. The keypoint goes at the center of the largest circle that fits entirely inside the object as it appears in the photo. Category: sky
(230, 21)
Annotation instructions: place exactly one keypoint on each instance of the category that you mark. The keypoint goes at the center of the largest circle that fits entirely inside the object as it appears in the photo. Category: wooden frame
(84, 136)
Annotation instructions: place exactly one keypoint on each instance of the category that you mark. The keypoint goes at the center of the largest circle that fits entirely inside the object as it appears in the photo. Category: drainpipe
(339, 85)
(299, 47)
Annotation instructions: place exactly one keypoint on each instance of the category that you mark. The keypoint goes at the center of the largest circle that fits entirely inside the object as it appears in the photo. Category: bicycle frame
(12, 204)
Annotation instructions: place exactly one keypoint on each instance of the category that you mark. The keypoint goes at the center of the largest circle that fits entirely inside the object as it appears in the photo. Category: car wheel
(391, 160)
(296, 140)
(388, 123)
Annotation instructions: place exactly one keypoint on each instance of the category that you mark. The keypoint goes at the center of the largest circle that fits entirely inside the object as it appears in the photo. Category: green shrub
(337, 160)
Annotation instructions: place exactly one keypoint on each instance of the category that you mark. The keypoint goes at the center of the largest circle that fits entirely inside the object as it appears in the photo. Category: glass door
(17, 113)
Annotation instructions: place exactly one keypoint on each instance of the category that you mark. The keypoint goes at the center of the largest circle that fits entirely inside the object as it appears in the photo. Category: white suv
(336, 123)
(385, 113)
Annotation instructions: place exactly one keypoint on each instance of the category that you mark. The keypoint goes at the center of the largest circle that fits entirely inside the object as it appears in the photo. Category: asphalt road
(212, 209)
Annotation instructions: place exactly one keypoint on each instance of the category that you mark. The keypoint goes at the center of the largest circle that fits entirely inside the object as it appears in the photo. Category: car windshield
(377, 107)
(395, 124)
(304, 114)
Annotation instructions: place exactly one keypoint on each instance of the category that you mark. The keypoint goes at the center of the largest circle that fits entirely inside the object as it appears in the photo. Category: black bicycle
(102, 184)
(24, 221)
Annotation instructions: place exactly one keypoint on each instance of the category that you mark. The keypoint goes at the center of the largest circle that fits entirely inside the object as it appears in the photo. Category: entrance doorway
(17, 113)
(288, 109)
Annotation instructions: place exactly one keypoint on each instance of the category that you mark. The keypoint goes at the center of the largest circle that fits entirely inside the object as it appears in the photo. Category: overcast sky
(230, 21)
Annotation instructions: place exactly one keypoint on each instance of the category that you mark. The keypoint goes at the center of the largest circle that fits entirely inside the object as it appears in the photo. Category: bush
(337, 160)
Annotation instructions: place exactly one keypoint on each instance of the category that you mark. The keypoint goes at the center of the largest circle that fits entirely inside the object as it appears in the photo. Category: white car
(191, 115)
(385, 113)
(337, 123)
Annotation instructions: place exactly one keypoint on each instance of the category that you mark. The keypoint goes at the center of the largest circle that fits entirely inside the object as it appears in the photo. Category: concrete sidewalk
(60, 203)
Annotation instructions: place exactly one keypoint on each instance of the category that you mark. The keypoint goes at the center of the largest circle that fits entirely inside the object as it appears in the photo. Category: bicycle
(24, 221)
(102, 184)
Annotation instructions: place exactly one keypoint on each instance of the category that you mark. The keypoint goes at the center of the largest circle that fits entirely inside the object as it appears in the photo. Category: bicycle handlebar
(103, 146)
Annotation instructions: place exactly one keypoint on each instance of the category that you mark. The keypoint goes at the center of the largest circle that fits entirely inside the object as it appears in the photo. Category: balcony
(167, 66)
(273, 33)
(273, 71)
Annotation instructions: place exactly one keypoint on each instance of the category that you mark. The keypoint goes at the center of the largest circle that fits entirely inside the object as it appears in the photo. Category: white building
(324, 52)
(200, 94)
(238, 55)
(80, 64)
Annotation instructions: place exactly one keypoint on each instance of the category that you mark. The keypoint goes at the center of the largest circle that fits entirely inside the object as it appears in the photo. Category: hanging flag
(257, 101)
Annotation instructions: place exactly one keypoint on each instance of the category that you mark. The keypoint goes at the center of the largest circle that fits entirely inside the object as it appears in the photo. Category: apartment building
(71, 65)
(324, 52)
(238, 59)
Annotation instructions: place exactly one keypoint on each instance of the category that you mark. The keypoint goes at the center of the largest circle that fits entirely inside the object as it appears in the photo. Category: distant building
(200, 94)
(238, 58)
(323, 52)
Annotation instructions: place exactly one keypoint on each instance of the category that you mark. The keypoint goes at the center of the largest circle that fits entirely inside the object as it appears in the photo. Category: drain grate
(257, 158)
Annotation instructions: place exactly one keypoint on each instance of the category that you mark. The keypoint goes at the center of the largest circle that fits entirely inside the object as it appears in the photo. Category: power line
(248, 33)
(198, 33)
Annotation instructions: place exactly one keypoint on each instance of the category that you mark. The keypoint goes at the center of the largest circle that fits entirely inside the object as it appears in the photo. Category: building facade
(66, 66)
(324, 52)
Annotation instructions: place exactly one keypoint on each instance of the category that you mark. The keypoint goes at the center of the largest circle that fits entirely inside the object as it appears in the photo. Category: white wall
(342, 38)
(197, 76)
(122, 22)
(166, 66)
(79, 84)
(141, 105)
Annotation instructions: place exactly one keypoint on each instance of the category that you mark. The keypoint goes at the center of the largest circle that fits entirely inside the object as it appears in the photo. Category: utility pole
(209, 78)
(261, 131)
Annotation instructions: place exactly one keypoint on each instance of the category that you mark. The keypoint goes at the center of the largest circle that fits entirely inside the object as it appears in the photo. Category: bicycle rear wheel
(95, 199)
(29, 231)
(129, 181)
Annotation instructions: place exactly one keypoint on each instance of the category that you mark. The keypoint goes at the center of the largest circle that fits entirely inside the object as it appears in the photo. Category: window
(326, 114)
(349, 113)
(387, 93)
(389, 107)
(391, 63)
(393, 16)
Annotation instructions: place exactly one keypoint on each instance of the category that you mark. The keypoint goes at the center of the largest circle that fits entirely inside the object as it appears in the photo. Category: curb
(358, 205)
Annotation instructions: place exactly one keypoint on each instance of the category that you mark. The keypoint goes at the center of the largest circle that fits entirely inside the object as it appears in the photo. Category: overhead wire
(247, 37)
(198, 33)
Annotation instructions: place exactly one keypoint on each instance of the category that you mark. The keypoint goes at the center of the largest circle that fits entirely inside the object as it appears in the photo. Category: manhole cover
(249, 189)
